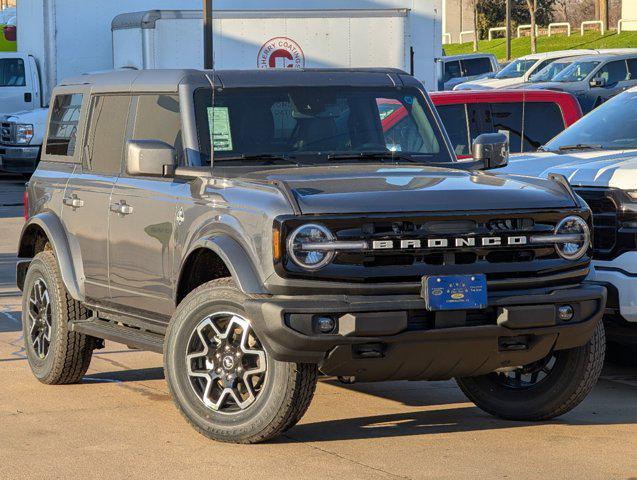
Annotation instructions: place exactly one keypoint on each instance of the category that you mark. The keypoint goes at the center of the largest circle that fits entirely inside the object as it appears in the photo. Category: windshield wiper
(372, 155)
(579, 146)
(267, 158)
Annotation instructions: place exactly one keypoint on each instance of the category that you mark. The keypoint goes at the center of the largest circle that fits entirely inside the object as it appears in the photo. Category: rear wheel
(543, 390)
(56, 355)
(221, 377)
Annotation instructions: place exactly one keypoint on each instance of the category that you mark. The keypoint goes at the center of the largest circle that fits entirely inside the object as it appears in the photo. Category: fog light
(325, 324)
(565, 312)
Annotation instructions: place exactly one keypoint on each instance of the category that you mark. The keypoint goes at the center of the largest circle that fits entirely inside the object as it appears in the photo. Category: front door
(88, 194)
(143, 215)
(16, 85)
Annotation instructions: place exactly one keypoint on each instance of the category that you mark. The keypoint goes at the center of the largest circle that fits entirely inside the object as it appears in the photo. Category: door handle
(73, 201)
(122, 208)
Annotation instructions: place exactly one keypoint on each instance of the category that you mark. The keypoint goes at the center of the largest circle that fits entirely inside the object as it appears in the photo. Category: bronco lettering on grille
(460, 242)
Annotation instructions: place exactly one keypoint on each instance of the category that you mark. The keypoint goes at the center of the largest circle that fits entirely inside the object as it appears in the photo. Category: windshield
(549, 72)
(309, 125)
(612, 126)
(576, 72)
(516, 69)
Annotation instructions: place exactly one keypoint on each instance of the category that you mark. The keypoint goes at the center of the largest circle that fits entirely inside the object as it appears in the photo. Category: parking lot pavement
(121, 423)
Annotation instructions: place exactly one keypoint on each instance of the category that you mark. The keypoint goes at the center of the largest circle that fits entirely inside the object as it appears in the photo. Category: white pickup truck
(598, 155)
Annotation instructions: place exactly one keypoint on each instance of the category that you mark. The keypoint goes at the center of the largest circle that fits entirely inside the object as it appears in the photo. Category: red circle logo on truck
(281, 52)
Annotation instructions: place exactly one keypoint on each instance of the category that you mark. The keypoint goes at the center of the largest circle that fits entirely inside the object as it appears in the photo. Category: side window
(455, 121)
(632, 68)
(476, 66)
(12, 72)
(105, 142)
(507, 118)
(542, 121)
(613, 72)
(452, 70)
(157, 117)
(65, 115)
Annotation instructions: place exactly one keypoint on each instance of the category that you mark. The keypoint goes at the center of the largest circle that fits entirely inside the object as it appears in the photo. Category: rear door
(615, 76)
(142, 234)
(473, 67)
(87, 197)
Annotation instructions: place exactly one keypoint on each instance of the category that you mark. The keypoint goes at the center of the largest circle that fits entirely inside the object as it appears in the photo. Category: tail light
(25, 201)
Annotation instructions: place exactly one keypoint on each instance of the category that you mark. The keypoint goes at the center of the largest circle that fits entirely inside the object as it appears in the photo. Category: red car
(530, 117)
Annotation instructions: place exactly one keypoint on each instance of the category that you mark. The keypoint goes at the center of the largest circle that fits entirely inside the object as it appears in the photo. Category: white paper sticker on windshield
(220, 134)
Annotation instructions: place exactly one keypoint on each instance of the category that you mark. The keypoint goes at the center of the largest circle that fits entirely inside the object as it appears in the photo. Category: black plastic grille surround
(410, 265)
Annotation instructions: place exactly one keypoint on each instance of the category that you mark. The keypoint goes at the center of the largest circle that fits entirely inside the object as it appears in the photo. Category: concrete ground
(121, 423)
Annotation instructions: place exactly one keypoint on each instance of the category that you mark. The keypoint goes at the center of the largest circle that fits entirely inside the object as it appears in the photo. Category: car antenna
(209, 64)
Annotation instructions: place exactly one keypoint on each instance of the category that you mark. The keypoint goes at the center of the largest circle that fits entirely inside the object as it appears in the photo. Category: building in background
(629, 11)
(457, 16)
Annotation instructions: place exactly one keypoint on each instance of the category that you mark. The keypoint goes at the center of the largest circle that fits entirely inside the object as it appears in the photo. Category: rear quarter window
(476, 66)
(65, 115)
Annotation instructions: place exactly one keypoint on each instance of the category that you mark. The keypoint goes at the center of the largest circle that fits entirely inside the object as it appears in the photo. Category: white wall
(629, 10)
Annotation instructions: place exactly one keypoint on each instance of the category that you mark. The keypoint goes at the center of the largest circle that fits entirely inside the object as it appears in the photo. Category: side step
(132, 337)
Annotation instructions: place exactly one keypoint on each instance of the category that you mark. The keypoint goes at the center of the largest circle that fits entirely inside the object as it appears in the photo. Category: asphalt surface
(121, 423)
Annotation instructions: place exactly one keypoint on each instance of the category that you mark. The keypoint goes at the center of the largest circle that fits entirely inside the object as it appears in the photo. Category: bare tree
(532, 5)
(474, 10)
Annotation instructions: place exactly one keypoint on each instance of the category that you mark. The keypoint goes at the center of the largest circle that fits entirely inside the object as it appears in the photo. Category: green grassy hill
(522, 46)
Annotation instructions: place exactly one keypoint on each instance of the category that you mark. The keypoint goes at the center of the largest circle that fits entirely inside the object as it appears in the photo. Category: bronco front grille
(398, 249)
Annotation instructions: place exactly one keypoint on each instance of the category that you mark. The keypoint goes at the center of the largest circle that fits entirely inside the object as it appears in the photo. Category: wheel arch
(223, 256)
(46, 229)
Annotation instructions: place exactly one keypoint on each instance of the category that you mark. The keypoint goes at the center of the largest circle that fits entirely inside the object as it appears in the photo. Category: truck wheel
(543, 390)
(55, 354)
(221, 377)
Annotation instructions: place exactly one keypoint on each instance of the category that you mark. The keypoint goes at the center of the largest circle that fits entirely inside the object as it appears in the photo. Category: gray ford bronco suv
(260, 227)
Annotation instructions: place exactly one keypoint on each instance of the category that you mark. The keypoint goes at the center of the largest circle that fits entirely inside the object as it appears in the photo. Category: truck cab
(22, 116)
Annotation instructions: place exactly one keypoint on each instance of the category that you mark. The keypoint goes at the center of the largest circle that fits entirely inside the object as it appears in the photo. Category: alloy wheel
(528, 376)
(226, 363)
(39, 318)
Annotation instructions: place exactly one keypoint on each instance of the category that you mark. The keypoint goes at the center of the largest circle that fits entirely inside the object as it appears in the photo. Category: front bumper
(393, 337)
(621, 273)
(19, 159)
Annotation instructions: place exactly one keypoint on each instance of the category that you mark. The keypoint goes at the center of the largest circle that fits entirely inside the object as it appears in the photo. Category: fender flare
(71, 270)
(237, 260)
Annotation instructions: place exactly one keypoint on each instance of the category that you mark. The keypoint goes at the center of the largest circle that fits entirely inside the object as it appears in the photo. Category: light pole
(208, 56)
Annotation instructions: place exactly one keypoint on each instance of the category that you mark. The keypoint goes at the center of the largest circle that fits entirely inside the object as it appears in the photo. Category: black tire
(571, 378)
(284, 395)
(69, 353)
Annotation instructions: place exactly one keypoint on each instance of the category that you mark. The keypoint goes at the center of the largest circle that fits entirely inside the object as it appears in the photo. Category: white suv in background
(520, 70)
(598, 155)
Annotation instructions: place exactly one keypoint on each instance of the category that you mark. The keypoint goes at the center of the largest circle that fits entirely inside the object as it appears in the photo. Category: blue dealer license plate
(455, 292)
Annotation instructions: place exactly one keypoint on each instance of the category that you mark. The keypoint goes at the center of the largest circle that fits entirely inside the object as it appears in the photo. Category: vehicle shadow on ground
(7, 264)
(609, 403)
(10, 322)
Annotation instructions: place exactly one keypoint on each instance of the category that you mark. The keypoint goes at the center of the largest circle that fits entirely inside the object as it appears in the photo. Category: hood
(37, 116)
(602, 168)
(398, 189)
(488, 83)
(557, 86)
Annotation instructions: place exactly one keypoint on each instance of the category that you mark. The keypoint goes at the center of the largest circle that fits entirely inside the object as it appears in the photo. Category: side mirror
(149, 158)
(492, 150)
(597, 82)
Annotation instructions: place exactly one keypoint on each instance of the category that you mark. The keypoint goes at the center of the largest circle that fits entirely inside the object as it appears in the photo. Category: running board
(132, 337)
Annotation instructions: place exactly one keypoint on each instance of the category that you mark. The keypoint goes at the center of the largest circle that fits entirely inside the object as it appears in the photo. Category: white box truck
(345, 38)
(56, 39)
(62, 38)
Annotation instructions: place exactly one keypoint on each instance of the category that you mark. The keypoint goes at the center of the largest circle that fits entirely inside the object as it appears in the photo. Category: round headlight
(302, 239)
(579, 238)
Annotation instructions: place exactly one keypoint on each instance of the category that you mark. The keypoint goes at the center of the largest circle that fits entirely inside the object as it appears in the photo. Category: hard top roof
(127, 80)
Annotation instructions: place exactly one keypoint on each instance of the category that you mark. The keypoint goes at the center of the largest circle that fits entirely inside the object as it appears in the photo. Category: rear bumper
(393, 337)
(19, 159)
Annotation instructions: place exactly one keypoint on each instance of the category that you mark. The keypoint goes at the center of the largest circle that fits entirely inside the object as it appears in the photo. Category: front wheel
(542, 390)
(221, 377)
